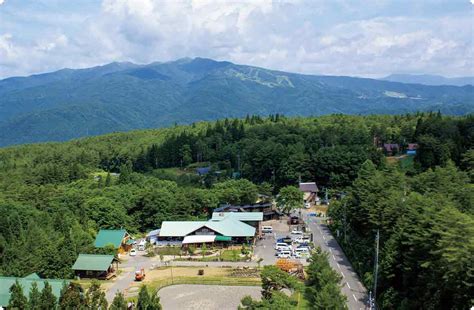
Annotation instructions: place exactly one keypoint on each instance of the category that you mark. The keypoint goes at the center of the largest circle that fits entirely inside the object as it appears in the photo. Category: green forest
(55, 196)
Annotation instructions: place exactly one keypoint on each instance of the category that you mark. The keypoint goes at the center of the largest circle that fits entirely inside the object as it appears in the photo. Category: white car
(302, 239)
(307, 205)
(133, 252)
(302, 254)
(284, 254)
(296, 232)
(280, 246)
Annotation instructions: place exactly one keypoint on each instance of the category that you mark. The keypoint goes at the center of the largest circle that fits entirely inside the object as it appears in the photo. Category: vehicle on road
(267, 229)
(133, 252)
(139, 274)
(141, 245)
(284, 254)
(307, 205)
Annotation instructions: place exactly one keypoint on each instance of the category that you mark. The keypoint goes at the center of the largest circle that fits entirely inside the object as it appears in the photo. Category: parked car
(267, 229)
(302, 254)
(133, 252)
(284, 254)
(286, 240)
(302, 239)
(302, 249)
(283, 250)
(305, 245)
(280, 245)
(296, 232)
(307, 205)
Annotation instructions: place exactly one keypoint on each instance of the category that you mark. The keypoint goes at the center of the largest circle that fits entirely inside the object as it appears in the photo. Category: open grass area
(162, 277)
(224, 256)
(168, 250)
(86, 283)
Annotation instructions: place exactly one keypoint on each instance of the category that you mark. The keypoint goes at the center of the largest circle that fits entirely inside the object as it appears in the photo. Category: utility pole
(343, 195)
(345, 224)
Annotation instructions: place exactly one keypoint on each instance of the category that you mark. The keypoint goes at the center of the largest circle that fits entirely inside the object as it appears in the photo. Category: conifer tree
(17, 300)
(34, 297)
(95, 297)
(119, 302)
(143, 298)
(47, 299)
(71, 297)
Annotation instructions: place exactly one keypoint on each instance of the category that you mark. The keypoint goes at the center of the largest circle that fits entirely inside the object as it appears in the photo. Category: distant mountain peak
(429, 79)
(122, 96)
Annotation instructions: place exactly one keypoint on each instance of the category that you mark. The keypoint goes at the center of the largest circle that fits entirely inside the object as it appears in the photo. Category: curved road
(352, 287)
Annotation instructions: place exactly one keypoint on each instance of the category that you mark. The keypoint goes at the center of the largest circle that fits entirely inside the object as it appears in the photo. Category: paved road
(209, 297)
(353, 288)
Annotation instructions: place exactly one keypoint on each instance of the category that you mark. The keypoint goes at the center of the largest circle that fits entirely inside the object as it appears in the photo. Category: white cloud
(302, 36)
(2, 1)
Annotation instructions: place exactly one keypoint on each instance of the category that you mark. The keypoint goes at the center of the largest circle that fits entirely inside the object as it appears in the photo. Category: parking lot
(265, 248)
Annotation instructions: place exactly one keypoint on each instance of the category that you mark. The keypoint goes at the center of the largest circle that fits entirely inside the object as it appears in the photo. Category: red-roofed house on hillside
(310, 192)
(391, 148)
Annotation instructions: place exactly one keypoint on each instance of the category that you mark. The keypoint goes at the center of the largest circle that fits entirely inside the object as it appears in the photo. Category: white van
(267, 229)
(284, 254)
(142, 245)
(301, 250)
(281, 246)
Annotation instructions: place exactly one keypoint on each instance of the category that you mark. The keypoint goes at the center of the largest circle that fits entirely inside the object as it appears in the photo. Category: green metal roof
(240, 216)
(232, 228)
(227, 227)
(93, 262)
(33, 276)
(223, 238)
(109, 236)
(7, 282)
(179, 228)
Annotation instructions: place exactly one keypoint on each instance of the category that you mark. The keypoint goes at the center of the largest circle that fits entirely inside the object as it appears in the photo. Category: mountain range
(72, 103)
(428, 79)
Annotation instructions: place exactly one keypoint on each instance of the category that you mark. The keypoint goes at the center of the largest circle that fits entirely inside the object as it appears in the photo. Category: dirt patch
(278, 225)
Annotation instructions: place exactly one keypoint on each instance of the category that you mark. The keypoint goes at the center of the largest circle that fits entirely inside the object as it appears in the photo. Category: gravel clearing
(205, 297)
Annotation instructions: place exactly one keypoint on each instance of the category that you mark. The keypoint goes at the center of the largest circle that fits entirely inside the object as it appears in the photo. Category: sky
(333, 37)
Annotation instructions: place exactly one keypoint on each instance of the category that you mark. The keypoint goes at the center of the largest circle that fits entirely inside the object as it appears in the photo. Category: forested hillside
(54, 196)
(126, 96)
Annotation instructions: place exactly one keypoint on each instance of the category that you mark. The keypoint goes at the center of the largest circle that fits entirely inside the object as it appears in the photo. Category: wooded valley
(55, 196)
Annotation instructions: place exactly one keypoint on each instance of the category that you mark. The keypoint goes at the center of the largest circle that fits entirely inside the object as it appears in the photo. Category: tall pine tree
(17, 300)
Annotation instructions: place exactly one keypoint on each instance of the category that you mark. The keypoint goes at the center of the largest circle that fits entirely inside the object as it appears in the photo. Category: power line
(373, 298)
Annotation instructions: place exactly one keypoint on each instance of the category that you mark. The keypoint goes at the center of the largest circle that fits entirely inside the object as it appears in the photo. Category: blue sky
(336, 37)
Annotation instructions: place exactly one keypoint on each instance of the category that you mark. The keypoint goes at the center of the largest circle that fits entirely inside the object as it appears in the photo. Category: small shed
(95, 266)
(119, 238)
